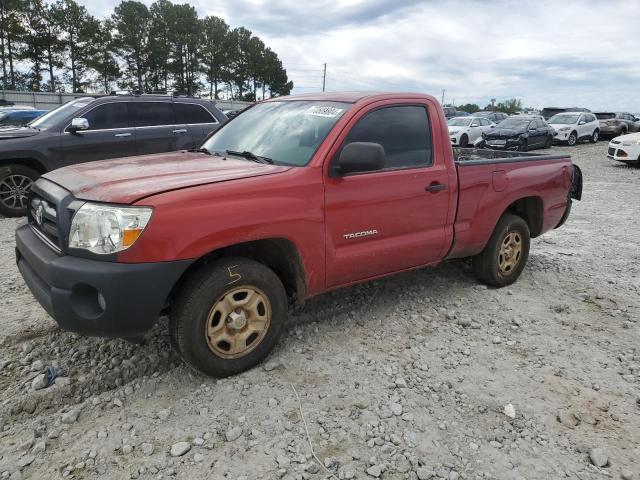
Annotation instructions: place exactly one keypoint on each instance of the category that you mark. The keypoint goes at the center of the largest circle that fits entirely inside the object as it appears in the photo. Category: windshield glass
(56, 115)
(604, 116)
(459, 122)
(514, 123)
(564, 118)
(286, 132)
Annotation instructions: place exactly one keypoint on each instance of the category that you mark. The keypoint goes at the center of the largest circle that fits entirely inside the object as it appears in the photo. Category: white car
(464, 131)
(625, 148)
(571, 127)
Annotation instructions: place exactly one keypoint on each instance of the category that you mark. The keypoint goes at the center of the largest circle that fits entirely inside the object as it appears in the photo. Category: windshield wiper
(251, 156)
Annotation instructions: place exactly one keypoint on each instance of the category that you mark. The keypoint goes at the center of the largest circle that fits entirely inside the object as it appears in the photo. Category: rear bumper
(93, 297)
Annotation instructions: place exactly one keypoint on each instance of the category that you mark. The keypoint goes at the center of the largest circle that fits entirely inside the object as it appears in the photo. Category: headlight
(564, 129)
(105, 229)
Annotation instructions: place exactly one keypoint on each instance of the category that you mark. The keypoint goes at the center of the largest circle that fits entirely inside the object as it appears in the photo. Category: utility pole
(442, 101)
(324, 77)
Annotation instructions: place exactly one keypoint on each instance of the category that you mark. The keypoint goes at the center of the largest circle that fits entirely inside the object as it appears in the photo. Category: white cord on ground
(306, 429)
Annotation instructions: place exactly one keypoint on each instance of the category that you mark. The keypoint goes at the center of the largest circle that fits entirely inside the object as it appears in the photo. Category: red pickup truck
(294, 197)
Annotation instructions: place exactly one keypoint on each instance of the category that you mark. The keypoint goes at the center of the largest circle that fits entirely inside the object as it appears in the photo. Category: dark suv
(97, 128)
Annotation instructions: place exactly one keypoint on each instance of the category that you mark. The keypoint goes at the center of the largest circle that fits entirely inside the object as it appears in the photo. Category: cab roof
(349, 97)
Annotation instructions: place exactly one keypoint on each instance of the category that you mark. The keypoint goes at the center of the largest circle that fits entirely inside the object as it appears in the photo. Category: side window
(403, 132)
(188, 113)
(109, 115)
(150, 114)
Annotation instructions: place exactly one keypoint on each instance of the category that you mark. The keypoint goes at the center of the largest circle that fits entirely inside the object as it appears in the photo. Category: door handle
(435, 187)
(122, 135)
(181, 130)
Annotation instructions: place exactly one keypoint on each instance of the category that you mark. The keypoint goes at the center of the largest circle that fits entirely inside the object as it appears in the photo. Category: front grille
(612, 151)
(43, 218)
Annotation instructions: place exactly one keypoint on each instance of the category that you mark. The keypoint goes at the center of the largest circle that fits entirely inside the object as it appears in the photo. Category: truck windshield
(288, 132)
(55, 116)
(564, 119)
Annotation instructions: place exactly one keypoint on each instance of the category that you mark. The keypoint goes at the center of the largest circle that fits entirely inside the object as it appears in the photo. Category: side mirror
(475, 125)
(582, 122)
(361, 157)
(78, 124)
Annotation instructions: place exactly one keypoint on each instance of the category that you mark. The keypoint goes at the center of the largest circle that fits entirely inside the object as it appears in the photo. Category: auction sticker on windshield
(320, 111)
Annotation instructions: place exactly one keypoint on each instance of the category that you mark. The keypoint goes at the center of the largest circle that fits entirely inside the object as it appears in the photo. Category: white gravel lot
(403, 378)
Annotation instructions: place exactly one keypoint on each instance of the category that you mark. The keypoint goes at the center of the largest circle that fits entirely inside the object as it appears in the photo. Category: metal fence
(49, 100)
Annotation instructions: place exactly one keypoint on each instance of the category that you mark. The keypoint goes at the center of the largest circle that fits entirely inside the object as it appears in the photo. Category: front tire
(548, 142)
(464, 141)
(522, 145)
(228, 316)
(505, 255)
(595, 137)
(573, 139)
(15, 183)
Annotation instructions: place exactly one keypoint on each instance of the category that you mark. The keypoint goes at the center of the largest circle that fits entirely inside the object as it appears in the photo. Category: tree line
(59, 46)
(509, 106)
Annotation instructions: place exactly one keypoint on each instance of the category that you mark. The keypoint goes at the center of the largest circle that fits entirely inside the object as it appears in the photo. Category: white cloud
(574, 52)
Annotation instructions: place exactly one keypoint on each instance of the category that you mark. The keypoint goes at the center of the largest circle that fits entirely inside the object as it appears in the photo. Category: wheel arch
(531, 210)
(30, 162)
(279, 254)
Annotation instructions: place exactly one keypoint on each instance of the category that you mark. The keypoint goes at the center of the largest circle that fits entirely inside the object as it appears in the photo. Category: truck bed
(477, 156)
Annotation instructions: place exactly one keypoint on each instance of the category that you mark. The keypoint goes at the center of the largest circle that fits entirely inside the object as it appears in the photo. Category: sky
(581, 53)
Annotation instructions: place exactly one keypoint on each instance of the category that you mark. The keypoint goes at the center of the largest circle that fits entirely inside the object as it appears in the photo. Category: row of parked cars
(524, 132)
(97, 128)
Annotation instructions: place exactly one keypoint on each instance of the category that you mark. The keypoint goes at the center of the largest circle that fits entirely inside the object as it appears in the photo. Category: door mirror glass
(79, 123)
(581, 122)
(474, 124)
(361, 157)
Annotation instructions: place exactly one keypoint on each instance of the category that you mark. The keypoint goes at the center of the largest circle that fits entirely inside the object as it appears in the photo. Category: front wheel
(464, 141)
(594, 138)
(573, 139)
(548, 142)
(522, 145)
(505, 255)
(15, 183)
(228, 316)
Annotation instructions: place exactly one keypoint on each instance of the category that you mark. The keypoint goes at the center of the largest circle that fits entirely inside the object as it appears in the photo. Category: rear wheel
(228, 316)
(15, 183)
(464, 141)
(573, 139)
(505, 255)
(596, 135)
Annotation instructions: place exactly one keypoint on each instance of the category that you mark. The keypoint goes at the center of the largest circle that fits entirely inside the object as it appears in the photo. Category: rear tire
(464, 141)
(15, 183)
(573, 139)
(595, 137)
(228, 316)
(505, 255)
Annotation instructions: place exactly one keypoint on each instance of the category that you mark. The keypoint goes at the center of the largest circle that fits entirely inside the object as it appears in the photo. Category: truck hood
(17, 132)
(125, 180)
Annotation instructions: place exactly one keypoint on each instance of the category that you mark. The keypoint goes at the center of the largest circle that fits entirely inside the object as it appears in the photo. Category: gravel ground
(423, 375)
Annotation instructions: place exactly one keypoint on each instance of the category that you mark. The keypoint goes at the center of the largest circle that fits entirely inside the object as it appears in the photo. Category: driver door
(383, 221)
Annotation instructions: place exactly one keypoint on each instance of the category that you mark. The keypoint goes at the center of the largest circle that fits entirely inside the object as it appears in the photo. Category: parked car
(89, 128)
(615, 124)
(495, 117)
(464, 131)
(18, 118)
(549, 112)
(571, 127)
(295, 197)
(449, 112)
(625, 148)
(520, 132)
(460, 113)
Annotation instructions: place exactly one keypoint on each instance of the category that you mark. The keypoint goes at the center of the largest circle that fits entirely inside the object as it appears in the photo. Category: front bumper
(94, 297)
(510, 144)
(562, 136)
(624, 153)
